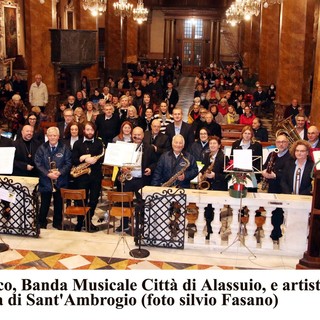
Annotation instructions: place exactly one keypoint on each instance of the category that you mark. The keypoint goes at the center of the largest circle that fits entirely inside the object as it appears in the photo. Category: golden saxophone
(53, 167)
(203, 183)
(83, 168)
(173, 179)
(270, 166)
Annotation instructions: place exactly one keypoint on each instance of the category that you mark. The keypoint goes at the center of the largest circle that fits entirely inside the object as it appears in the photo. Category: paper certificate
(118, 154)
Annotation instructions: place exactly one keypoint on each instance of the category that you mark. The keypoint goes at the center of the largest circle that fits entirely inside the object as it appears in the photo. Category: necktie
(53, 149)
(297, 181)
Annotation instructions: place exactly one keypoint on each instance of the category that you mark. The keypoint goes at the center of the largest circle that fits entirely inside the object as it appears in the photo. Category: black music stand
(139, 253)
(232, 169)
(122, 235)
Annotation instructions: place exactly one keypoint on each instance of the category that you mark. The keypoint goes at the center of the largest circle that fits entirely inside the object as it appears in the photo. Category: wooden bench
(231, 131)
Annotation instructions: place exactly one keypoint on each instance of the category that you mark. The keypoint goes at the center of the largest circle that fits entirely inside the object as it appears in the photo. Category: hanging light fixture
(122, 8)
(95, 6)
(251, 8)
(140, 13)
(234, 13)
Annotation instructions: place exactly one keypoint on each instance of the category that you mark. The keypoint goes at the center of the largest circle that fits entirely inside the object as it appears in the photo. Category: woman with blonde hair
(79, 115)
(132, 116)
(89, 111)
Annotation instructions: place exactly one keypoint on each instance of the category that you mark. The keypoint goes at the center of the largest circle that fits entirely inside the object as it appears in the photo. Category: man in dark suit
(26, 147)
(180, 127)
(313, 137)
(171, 96)
(68, 117)
(158, 141)
(259, 100)
(301, 127)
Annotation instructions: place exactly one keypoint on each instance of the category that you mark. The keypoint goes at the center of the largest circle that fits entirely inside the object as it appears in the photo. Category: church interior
(65, 40)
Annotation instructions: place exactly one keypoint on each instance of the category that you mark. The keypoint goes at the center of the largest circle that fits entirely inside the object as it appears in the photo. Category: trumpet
(127, 175)
(53, 167)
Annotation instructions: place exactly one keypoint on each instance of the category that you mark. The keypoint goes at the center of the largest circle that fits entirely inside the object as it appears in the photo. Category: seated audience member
(260, 133)
(313, 137)
(213, 96)
(68, 117)
(217, 116)
(163, 116)
(213, 169)
(231, 117)
(60, 111)
(297, 176)
(125, 134)
(292, 110)
(200, 147)
(33, 121)
(247, 117)
(175, 168)
(223, 106)
(89, 111)
(158, 141)
(79, 115)
(213, 128)
(133, 117)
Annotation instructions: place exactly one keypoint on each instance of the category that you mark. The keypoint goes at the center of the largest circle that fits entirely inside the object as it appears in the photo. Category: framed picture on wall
(10, 31)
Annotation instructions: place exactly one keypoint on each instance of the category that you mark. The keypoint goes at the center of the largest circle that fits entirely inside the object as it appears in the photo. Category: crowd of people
(169, 149)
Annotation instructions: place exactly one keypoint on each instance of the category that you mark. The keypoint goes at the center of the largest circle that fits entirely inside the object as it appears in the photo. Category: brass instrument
(126, 176)
(53, 167)
(270, 166)
(173, 179)
(286, 127)
(84, 168)
(203, 183)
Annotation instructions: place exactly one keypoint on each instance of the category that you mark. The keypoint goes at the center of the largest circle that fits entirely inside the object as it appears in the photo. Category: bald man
(313, 137)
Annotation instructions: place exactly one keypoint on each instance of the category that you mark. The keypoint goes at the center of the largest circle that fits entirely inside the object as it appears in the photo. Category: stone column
(295, 51)
(315, 110)
(269, 45)
(217, 42)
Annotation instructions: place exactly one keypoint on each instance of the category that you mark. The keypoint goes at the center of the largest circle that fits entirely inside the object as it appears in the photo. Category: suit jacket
(24, 155)
(61, 128)
(287, 184)
(186, 131)
(161, 141)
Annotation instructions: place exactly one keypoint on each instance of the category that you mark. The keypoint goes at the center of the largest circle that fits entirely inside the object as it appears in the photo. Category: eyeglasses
(33, 119)
(281, 141)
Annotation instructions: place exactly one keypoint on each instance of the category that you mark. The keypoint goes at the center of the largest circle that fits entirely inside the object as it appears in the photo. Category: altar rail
(225, 229)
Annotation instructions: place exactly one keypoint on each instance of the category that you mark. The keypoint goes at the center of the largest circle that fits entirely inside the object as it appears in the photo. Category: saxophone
(265, 183)
(173, 179)
(203, 183)
(83, 168)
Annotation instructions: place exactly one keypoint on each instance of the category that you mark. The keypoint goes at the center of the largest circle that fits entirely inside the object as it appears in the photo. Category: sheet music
(242, 159)
(117, 154)
(6, 159)
(316, 158)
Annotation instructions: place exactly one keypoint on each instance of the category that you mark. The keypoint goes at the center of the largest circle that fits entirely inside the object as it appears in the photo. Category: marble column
(295, 51)
(269, 45)
(315, 110)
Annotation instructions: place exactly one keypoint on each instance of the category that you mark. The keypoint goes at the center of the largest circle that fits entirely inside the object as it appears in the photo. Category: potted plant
(239, 181)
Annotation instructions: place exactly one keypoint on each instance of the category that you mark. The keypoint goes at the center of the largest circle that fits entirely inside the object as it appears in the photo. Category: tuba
(173, 179)
(286, 127)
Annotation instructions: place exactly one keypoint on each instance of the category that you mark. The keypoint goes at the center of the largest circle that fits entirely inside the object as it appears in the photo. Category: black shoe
(43, 226)
(78, 227)
(57, 226)
(93, 228)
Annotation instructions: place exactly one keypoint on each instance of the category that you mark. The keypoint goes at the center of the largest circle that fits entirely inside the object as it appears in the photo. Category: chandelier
(122, 8)
(251, 8)
(95, 6)
(140, 14)
(235, 13)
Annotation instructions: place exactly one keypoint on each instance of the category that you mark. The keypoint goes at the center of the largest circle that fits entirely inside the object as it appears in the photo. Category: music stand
(242, 159)
(139, 253)
(122, 235)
